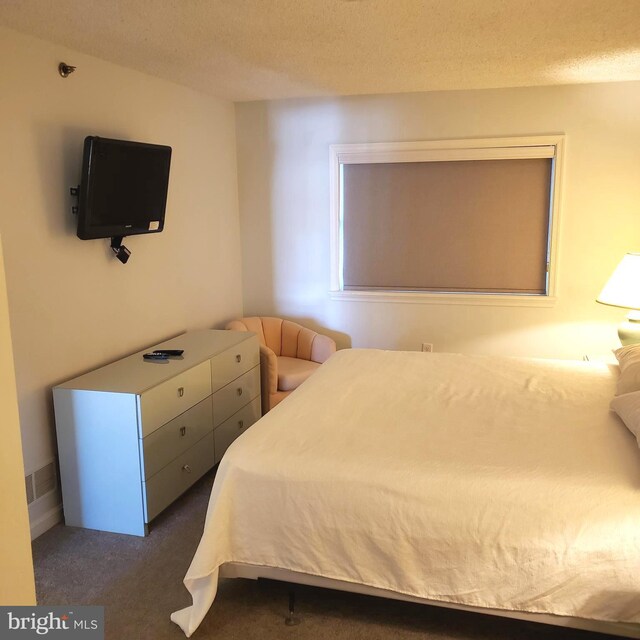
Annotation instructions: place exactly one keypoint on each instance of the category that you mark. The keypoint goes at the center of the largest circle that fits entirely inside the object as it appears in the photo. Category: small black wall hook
(65, 70)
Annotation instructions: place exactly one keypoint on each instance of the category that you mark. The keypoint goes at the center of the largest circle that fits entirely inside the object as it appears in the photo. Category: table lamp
(623, 290)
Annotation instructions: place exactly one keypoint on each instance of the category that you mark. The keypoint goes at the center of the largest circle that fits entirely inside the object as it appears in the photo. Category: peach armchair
(289, 354)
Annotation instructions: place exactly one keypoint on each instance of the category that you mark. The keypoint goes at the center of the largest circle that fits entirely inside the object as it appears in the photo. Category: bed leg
(291, 619)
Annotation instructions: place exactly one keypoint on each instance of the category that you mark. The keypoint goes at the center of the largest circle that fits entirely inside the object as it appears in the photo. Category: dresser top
(133, 374)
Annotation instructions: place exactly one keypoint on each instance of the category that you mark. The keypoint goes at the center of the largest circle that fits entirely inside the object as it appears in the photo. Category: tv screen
(124, 187)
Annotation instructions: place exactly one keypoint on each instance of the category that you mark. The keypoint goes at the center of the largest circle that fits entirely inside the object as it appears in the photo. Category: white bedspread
(494, 482)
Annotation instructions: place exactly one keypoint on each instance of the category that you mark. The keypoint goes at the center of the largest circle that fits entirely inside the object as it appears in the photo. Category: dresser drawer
(232, 363)
(166, 485)
(169, 399)
(175, 437)
(235, 395)
(237, 424)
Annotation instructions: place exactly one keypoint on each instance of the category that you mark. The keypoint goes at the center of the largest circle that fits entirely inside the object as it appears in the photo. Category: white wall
(72, 305)
(284, 208)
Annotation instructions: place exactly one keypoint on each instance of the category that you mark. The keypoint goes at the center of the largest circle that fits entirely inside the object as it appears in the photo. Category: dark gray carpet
(139, 582)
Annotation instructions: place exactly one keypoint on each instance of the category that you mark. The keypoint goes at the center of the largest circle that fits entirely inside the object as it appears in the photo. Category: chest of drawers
(135, 434)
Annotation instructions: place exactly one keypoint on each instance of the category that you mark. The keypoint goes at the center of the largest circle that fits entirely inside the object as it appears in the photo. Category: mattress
(501, 483)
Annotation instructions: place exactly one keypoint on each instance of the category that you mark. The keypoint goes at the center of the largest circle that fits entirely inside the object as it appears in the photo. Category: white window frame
(437, 151)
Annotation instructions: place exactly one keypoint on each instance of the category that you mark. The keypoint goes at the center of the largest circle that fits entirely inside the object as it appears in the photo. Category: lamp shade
(623, 287)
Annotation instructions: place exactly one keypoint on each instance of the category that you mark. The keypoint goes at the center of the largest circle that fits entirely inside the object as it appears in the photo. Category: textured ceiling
(267, 49)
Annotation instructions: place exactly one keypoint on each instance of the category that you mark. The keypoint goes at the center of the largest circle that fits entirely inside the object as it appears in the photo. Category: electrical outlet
(427, 347)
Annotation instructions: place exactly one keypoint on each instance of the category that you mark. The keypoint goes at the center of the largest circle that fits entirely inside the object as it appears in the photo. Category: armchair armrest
(269, 368)
(322, 348)
(236, 325)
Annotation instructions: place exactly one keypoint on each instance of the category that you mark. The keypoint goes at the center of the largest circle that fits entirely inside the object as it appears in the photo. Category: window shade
(479, 226)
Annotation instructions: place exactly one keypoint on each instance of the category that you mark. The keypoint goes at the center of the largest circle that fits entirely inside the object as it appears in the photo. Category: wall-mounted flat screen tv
(124, 188)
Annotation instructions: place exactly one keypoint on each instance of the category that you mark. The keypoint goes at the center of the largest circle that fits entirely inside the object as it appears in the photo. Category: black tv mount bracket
(75, 192)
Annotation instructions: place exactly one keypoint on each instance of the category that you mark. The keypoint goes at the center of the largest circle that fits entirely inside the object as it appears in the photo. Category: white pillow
(629, 361)
(627, 406)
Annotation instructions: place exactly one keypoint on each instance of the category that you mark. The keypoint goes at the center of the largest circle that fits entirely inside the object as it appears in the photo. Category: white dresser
(135, 434)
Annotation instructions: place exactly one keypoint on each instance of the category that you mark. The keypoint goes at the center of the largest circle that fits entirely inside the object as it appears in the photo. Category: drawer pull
(180, 392)
(239, 391)
(240, 424)
(238, 358)
(186, 468)
(183, 431)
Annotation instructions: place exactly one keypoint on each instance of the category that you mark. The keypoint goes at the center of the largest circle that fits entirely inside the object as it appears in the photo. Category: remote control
(169, 352)
(156, 356)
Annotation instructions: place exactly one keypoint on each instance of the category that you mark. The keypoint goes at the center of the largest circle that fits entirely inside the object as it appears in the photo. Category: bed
(501, 485)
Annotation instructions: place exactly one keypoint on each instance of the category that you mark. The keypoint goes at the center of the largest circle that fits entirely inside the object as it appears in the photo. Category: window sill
(497, 300)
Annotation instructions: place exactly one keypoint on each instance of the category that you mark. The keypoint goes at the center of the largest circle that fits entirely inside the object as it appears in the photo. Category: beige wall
(16, 566)
(72, 305)
(283, 160)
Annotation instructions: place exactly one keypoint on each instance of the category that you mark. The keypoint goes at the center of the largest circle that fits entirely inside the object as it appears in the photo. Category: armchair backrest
(286, 338)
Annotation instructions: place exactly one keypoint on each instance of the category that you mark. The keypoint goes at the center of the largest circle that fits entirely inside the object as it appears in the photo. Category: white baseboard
(46, 521)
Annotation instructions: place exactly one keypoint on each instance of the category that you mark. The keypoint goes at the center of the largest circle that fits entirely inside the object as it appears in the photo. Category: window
(454, 221)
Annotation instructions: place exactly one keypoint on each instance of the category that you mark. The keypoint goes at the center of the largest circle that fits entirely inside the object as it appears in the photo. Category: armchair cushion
(292, 372)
